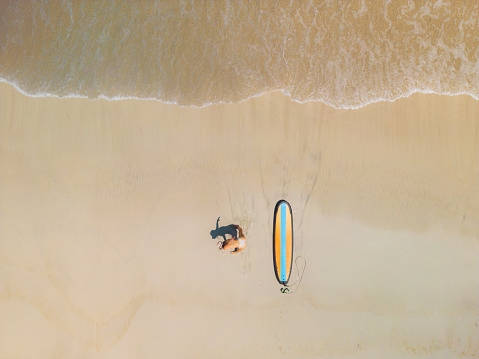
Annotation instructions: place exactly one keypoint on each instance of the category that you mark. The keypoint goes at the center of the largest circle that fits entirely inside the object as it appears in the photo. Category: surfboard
(282, 241)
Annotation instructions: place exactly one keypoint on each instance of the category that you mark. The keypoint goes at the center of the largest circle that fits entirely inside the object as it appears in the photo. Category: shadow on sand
(223, 231)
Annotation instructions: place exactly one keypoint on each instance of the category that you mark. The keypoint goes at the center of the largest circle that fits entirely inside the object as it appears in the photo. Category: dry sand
(106, 209)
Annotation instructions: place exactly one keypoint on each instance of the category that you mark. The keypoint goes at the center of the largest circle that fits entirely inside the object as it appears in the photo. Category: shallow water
(346, 54)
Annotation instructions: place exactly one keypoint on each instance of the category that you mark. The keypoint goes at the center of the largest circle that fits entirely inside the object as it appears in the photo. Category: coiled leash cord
(286, 290)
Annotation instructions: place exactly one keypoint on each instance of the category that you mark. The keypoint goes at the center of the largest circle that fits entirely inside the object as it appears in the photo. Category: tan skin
(233, 244)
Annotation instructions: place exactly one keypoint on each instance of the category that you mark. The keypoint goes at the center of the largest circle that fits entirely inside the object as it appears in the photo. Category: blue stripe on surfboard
(283, 241)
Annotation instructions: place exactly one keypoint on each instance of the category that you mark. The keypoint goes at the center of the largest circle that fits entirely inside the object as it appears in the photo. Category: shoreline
(284, 92)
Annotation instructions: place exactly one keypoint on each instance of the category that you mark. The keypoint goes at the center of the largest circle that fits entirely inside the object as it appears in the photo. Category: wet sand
(106, 210)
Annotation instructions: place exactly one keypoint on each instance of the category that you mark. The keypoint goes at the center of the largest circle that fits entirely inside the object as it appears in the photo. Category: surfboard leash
(286, 290)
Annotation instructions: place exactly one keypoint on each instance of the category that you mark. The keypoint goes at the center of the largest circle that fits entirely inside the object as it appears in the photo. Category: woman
(237, 244)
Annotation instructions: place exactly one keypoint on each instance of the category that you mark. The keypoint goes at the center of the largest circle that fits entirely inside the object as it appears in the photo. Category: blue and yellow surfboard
(282, 241)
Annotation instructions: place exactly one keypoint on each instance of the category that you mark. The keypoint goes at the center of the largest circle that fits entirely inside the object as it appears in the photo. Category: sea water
(194, 53)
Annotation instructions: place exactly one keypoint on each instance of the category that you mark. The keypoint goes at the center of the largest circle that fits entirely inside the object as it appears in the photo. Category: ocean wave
(344, 54)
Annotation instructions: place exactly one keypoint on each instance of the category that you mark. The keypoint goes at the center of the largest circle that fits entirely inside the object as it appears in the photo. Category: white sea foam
(120, 98)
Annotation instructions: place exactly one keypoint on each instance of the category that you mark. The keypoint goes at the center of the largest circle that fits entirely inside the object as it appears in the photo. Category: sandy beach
(107, 206)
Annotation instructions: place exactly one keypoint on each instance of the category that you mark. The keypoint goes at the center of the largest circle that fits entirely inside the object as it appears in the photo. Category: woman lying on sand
(238, 244)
